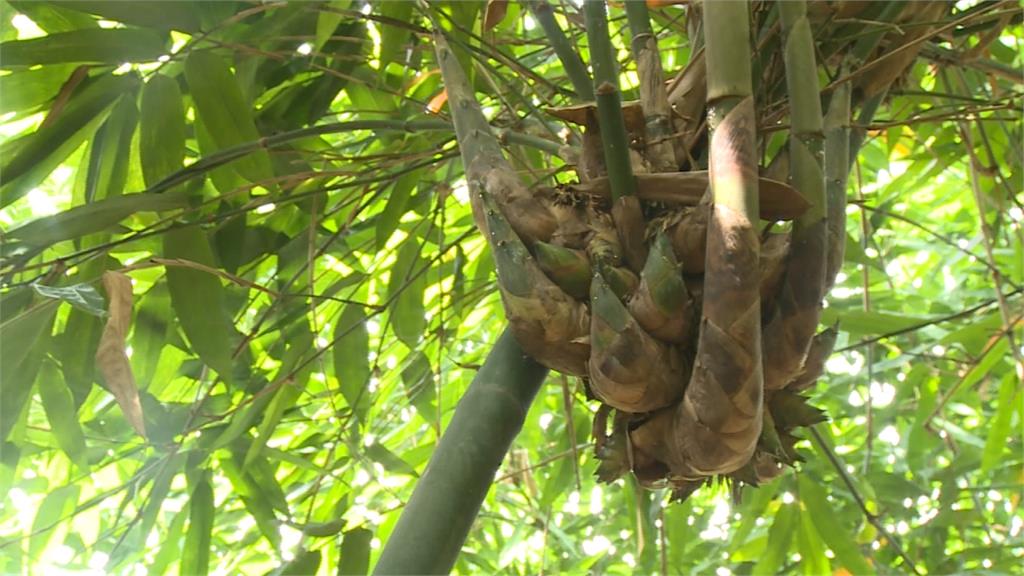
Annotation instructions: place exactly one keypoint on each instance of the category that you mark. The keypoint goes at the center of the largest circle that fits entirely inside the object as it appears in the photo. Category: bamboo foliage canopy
(252, 255)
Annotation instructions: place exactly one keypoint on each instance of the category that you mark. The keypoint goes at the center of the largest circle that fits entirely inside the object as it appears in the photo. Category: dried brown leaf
(111, 358)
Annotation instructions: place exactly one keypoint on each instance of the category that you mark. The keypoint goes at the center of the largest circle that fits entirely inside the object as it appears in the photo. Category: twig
(874, 520)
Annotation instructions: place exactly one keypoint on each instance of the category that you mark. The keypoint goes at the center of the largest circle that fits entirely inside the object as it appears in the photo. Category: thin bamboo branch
(574, 67)
(626, 213)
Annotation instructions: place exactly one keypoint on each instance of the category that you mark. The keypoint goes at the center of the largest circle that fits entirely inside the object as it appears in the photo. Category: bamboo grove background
(243, 292)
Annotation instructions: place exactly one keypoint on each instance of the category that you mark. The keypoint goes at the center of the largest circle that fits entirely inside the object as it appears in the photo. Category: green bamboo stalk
(574, 67)
(716, 427)
(789, 334)
(629, 220)
(445, 502)
(609, 101)
(653, 96)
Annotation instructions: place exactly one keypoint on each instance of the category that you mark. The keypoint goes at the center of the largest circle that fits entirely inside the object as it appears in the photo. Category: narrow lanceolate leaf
(181, 16)
(81, 296)
(111, 359)
(398, 199)
(355, 552)
(779, 538)
(304, 563)
(224, 112)
(50, 145)
(834, 534)
(999, 431)
(195, 558)
(110, 152)
(96, 45)
(351, 351)
(93, 217)
(57, 505)
(62, 415)
(23, 340)
(198, 298)
(406, 286)
(162, 129)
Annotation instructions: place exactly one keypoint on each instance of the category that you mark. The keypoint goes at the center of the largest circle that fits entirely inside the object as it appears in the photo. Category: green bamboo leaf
(225, 114)
(53, 18)
(110, 152)
(195, 558)
(995, 354)
(866, 323)
(406, 287)
(327, 22)
(254, 499)
(292, 382)
(392, 37)
(149, 336)
(198, 299)
(51, 144)
(161, 487)
(62, 415)
(92, 218)
(420, 389)
(162, 129)
(355, 552)
(181, 15)
(98, 45)
(55, 508)
(779, 538)
(809, 544)
(398, 200)
(23, 341)
(27, 89)
(389, 460)
(831, 531)
(170, 544)
(76, 349)
(351, 351)
(999, 433)
(82, 296)
(304, 563)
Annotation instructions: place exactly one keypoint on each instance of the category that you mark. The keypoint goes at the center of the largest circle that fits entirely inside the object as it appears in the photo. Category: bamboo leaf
(99, 45)
(351, 353)
(812, 551)
(406, 286)
(389, 460)
(224, 112)
(198, 299)
(398, 200)
(23, 341)
(110, 151)
(832, 532)
(393, 37)
(195, 557)
(111, 359)
(27, 89)
(304, 563)
(181, 15)
(779, 538)
(56, 506)
(82, 296)
(162, 129)
(62, 415)
(355, 552)
(170, 547)
(51, 144)
(254, 499)
(999, 432)
(418, 380)
(93, 217)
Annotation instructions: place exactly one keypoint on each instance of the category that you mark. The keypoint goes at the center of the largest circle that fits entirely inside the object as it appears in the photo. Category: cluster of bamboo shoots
(650, 278)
